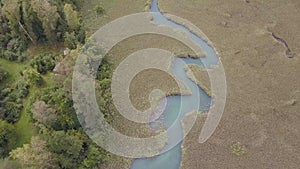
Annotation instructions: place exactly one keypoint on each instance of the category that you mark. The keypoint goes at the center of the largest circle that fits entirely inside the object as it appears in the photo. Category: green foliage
(35, 155)
(35, 20)
(71, 40)
(9, 55)
(7, 138)
(43, 113)
(57, 99)
(11, 103)
(3, 74)
(99, 10)
(104, 75)
(16, 45)
(33, 77)
(48, 15)
(11, 10)
(95, 156)
(13, 48)
(72, 17)
(238, 149)
(44, 62)
(68, 149)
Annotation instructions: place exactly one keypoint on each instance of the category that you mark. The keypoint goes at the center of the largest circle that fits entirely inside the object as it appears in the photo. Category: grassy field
(200, 77)
(13, 68)
(113, 9)
(261, 82)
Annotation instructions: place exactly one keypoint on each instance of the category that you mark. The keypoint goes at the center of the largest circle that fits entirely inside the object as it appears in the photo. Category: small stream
(178, 105)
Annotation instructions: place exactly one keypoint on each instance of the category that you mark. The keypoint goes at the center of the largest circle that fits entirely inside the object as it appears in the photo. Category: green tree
(95, 156)
(32, 24)
(32, 76)
(72, 17)
(48, 15)
(35, 155)
(7, 138)
(11, 10)
(68, 149)
(43, 113)
(71, 40)
(44, 63)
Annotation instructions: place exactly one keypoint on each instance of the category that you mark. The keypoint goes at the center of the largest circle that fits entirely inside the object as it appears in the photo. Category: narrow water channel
(179, 105)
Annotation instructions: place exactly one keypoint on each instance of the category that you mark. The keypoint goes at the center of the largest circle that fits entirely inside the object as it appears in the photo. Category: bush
(11, 103)
(3, 74)
(33, 77)
(238, 149)
(71, 40)
(22, 88)
(99, 9)
(11, 111)
(44, 63)
(9, 55)
(7, 138)
(16, 45)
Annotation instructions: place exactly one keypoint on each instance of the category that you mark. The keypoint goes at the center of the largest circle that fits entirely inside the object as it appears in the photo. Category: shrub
(9, 55)
(3, 74)
(71, 40)
(44, 63)
(99, 9)
(33, 77)
(7, 138)
(238, 149)
(17, 45)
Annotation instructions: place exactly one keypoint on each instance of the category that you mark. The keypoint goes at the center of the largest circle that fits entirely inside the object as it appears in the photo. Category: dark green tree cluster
(44, 63)
(32, 76)
(35, 21)
(11, 103)
(7, 138)
(104, 76)
(56, 98)
(64, 137)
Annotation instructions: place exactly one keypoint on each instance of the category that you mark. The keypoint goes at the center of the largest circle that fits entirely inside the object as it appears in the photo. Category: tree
(11, 10)
(43, 113)
(12, 110)
(48, 15)
(71, 40)
(68, 149)
(71, 17)
(95, 156)
(44, 62)
(7, 138)
(35, 155)
(32, 76)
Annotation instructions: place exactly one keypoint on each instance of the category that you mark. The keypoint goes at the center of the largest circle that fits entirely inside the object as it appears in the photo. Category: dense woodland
(58, 140)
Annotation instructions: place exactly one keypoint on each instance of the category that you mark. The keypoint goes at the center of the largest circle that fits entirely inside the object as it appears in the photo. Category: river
(179, 105)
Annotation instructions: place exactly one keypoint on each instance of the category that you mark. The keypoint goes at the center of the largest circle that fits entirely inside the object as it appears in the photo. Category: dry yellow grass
(261, 81)
(200, 77)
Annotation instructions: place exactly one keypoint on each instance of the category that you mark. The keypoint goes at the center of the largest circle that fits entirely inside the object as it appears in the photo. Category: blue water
(178, 106)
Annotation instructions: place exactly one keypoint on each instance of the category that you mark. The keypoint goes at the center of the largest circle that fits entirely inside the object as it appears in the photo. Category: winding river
(174, 104)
